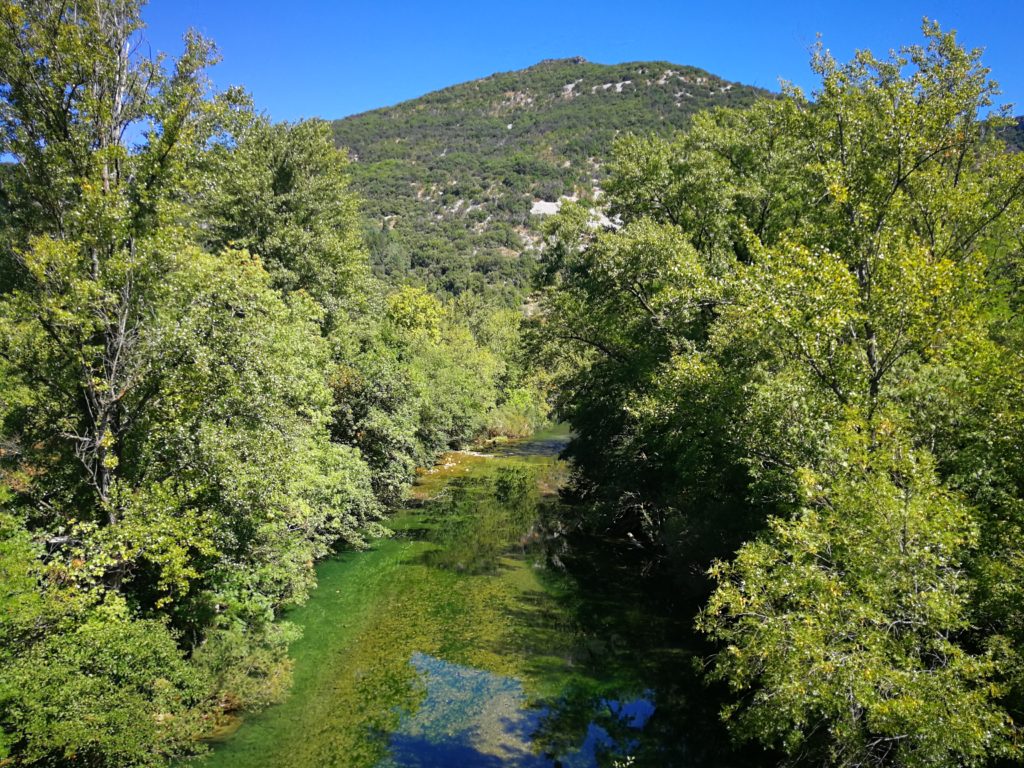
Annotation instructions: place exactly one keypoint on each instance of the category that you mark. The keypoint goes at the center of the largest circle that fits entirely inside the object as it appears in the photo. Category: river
(463, 640)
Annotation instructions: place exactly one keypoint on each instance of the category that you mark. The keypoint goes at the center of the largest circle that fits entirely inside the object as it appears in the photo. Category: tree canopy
(202, 388)
(780, 366)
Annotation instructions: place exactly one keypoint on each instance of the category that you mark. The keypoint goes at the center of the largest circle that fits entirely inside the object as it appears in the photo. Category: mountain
(1013, 135)
(456, 182)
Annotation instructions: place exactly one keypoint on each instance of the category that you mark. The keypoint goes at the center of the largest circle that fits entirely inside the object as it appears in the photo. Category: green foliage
(415, 313)
(168, 474)
(202, 389)
(804, 323)
(424, 378)
(408, 379)
(847, 618)
(281, 192)
(82, 679)
(449, 178)
(111, 691)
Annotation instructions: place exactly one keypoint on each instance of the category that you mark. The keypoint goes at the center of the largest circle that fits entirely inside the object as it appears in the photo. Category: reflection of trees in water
(469, 717)
(476, 718)
(632, 687)
(550, 447)
(598, 730)
(514, 485)
(481, 519)
(457, 587)
(606, 641)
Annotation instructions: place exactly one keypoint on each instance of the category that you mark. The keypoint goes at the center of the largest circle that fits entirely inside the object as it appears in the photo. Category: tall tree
(281, 192)
(795, 328)
(168, 480)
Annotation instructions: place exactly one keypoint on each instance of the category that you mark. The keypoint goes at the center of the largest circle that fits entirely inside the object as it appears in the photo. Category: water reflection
(550, 443)
(464, 641)
(471, 717)
(478, 521)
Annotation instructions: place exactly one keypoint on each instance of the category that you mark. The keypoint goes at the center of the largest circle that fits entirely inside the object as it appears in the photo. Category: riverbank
(457, 642)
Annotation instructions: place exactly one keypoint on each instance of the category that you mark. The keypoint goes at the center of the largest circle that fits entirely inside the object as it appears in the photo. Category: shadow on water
(550, 446)
(458, 643)
(632, 640)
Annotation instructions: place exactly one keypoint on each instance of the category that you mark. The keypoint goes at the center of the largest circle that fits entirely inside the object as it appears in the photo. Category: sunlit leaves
(843, 369)
(844, 618)
(281, 191)
(168, 481)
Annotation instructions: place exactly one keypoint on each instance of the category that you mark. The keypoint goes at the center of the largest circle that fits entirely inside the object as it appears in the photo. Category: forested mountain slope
(450, 178)
(1013, 135)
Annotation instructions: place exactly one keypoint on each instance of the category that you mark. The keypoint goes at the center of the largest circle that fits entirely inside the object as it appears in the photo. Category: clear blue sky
(316, 58)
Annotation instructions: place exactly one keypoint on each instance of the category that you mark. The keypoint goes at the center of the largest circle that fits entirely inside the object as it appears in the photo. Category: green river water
(462, 641)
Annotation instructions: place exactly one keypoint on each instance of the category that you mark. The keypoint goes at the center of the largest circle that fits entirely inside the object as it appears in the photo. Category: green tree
(842, 627)
(821, 269)
(168, 479)
(280, 191)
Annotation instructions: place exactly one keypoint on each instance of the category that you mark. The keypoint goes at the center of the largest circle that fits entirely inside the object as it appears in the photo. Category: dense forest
(203, 389)
(785, 330)
(795, 379)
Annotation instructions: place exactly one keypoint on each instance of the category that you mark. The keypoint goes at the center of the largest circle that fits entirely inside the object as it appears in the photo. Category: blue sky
(315, 58)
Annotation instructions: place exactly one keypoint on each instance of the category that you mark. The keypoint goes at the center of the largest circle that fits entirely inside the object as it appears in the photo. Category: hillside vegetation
(449, 179)
(1013, 135)
(792, 367)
